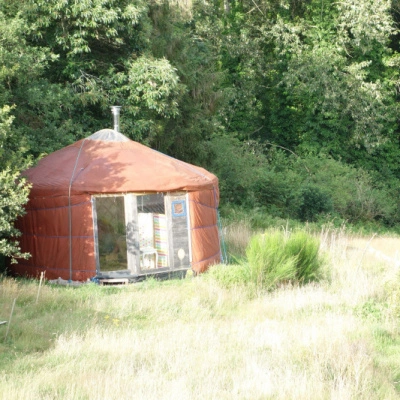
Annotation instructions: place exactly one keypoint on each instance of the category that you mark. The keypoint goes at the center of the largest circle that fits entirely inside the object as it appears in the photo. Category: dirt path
(384, 248)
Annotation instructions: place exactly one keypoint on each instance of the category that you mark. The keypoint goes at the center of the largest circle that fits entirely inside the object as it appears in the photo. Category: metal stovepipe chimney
(115, 112)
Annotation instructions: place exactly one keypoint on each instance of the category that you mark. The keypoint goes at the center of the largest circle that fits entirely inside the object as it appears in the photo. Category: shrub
(313, 203)
(273, 258)
(230, 275)
(355, 194)
(13, 189)
(304, 248)
(276, 258)
(235, 178)
(268, 261)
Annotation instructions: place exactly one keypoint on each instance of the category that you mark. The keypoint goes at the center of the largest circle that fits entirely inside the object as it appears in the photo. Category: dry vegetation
(191, 339)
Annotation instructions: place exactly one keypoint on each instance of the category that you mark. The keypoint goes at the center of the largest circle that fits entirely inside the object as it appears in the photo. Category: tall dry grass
(237, 236)
(191, 339)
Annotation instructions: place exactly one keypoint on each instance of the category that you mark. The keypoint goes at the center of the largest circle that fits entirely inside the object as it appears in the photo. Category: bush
(3, 265)
(230, 275)
(14, 190)
(313, 203)
(276, 258)
(304, 248)
(304, 188)
(355, 195)
(269, 264)
(237, 169)
(273, 258)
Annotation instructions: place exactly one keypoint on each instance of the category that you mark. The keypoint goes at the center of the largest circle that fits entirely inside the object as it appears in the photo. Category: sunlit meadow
(337, 338)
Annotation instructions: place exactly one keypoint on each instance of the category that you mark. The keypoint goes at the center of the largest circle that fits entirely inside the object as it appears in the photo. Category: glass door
(111, 233)
(153, 232)
(131, 234)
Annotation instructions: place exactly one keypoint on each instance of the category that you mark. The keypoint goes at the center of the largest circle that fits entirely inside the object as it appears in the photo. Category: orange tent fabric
(204, 232)
(106, 162)
(115, 165)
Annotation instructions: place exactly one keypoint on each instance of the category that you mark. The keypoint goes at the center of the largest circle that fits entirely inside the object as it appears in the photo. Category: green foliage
(364, 25)
(45, 116)
(305, 188)
(13, 189)
(236, 178)
(20, 62)
(355, 194)
(269, 262)
(142, 56)
(12, 198)
(304, 248)
(230, 275)
(82, 27)
(292, 104)
(99, 56)
(313, 202)
(274, 258)
(330, 77)
(315, 79)
(154, 83)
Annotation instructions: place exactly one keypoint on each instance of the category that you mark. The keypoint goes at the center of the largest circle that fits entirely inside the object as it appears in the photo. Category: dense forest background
(292, 103)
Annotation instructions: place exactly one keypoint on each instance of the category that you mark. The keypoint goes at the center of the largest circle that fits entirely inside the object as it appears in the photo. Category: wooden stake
(40, 285)
(9, 322)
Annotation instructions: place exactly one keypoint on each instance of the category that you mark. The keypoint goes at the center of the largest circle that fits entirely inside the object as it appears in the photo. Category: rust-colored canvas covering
(106, 163)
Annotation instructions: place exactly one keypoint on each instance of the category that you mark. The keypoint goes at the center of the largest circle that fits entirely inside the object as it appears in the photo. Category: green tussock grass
(273, 258)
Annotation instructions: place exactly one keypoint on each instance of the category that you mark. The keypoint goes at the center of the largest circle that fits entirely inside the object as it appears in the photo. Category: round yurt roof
(109, 162)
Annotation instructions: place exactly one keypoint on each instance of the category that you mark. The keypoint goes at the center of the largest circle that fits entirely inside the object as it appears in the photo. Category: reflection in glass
(111, 233)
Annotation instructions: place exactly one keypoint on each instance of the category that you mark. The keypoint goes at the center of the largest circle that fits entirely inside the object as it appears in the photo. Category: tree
(13, 189)
(331, 77)
(205, 81)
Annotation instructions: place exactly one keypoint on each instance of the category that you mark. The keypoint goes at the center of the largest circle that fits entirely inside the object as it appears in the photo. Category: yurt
(107, 207)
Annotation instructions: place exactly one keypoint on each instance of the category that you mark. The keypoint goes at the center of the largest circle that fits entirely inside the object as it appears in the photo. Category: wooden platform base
(114, 281)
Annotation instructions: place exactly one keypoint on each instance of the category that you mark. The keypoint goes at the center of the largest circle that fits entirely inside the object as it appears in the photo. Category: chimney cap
(115, 111)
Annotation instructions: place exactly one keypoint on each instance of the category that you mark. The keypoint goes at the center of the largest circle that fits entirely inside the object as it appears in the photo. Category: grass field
(192, 339)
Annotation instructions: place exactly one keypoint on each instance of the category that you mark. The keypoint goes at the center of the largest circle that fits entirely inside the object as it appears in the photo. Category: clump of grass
(237, 236)
(230, 275)
(274, 258)
(277, 257)
(269, 261)
(303, 248)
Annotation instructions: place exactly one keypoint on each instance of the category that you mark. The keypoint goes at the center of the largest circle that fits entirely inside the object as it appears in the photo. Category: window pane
(111, 233)
(153, 233)
(151, 203)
